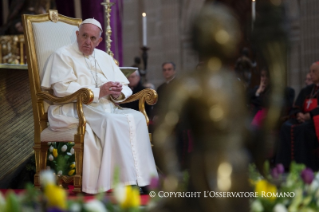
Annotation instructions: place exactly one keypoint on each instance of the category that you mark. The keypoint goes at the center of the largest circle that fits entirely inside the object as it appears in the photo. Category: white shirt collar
(167, 82)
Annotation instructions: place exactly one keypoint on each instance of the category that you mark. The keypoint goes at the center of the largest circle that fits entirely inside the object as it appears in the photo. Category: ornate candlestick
(107, 6)
(144, 58)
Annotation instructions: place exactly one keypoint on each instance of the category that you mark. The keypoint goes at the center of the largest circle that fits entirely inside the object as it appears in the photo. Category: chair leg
(40, 153)
(37, 155)
(78, 151)
(77, 184)
(44, 155)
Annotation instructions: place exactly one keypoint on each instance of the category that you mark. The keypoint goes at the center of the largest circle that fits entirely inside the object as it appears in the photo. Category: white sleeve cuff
(96, 92)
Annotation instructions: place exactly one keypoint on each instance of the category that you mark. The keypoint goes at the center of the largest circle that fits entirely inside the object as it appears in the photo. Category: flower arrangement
(54, 198)
(61, 158)
(296, 191)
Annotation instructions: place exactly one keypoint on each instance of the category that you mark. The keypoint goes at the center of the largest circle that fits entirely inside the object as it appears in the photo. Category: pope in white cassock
(115, 137)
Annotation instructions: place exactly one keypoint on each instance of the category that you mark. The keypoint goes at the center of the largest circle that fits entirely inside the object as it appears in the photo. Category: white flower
(68, 153)
(46, 177)
(50, 157)
(75, 207)
(64, 148)
(95, 206)
(119, 193)
(314, 186)
(51, 148)
(280, 208)
(60, 172)
(48, 168)
(49, 143)
(256, 206)
(72, 151)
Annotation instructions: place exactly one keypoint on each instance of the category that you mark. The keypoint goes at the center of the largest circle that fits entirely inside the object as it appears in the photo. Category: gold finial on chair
(53, 14)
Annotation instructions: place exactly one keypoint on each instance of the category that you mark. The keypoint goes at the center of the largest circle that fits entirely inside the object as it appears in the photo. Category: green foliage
(12, 204)
(254, 175)
(63, 160)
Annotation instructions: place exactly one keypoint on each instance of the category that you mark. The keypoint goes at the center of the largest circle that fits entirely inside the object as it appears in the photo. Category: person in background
(299, 135)
(137, 64)
(169, 72)
(308, 80)
(149, 85)
(136, 86)
(183, 144)
(257, 98)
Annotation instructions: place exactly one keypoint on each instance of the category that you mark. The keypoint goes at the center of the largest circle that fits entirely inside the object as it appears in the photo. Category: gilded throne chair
(44, 34)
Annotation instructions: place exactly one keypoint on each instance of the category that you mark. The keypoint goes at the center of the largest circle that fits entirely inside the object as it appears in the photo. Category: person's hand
(300, 117)
(303, 117)
(111, 88)
(261, 88)
(307, 116)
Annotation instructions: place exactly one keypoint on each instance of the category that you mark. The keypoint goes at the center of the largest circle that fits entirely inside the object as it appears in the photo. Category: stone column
(295, 74)
(309, 35)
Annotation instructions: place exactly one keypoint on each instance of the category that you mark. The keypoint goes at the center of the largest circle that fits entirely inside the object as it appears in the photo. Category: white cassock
(115, 137)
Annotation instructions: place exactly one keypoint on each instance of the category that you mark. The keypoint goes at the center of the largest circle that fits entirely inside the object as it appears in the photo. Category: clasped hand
(302, 117)
(111, 88)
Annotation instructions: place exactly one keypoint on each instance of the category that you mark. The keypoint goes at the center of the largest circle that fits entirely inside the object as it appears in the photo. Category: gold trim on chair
(147, 95)
(53, 14)
(82, 96)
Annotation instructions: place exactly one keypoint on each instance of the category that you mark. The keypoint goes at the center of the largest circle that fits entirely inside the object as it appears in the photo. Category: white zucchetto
(92, 21)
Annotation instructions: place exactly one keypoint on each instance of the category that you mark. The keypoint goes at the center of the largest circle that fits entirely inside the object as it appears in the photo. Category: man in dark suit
(169, 72)
(183, 144)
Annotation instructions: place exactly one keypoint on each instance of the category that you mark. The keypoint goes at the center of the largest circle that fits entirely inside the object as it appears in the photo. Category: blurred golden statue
(211, 101)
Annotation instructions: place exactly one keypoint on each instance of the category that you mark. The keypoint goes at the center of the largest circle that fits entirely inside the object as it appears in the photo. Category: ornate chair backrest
(44, 34)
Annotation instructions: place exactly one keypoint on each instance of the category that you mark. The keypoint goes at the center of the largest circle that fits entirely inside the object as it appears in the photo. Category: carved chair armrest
(146, 95)
(82, 96)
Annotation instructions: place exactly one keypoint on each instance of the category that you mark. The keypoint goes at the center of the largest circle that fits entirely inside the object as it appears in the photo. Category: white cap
(92, 21)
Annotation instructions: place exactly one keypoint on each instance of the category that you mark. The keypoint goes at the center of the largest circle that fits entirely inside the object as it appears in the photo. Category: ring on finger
(110, 89)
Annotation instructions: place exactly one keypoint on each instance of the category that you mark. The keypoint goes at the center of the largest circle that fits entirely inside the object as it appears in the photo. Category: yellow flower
(72, 166)
(71, 172)
(266, 189)
(132, 198)
(55, 153)
(56, 196)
